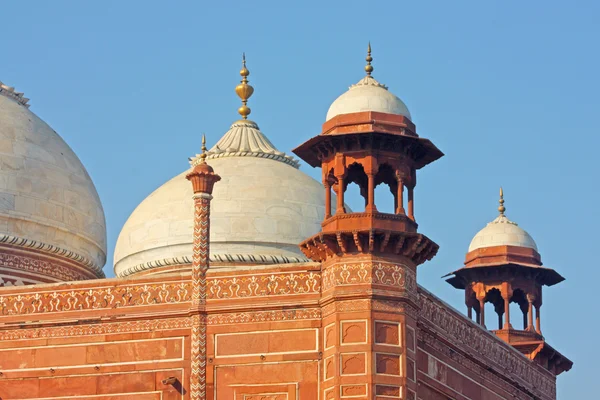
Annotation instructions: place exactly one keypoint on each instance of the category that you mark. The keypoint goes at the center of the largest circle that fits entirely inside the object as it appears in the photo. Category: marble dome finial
(10, 92)
(501, 208)
(244, 90)
(369, 67)
(203, 155)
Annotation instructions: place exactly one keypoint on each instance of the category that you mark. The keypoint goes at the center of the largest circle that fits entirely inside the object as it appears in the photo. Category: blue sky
(508, 90)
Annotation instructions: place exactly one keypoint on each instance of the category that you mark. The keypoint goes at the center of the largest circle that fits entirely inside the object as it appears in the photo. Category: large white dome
(48, 203)
(367, 95)
(262, 209)
(502, 232)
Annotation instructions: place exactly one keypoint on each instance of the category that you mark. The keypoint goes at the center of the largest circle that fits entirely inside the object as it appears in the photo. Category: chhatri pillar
(503, 267)
(369, 259)
(203, 179)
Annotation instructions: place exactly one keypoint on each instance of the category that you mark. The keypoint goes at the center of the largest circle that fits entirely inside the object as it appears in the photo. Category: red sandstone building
(262, 314)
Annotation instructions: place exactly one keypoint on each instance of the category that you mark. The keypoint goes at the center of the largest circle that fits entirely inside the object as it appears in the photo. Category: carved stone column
(203, 179)
(411, 203)
(530, 300)
(400, 195)
(327, 186)
(506, 295)
(481, 299)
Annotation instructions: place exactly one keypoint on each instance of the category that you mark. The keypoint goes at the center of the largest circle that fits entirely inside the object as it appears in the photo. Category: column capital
(203, 178)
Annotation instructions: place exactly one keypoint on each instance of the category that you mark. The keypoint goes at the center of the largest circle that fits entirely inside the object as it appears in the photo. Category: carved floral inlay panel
(241, 286)
(29, 301)
(375, 273)
(74, 299)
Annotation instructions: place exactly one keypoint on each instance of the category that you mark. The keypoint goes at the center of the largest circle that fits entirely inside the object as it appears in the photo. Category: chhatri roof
(368, 95)
(502, 232)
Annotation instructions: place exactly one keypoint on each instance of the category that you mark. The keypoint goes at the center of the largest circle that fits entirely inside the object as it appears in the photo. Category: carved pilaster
(369, 308)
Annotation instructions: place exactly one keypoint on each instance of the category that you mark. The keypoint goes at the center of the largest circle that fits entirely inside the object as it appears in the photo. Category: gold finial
(501, 208)
(369, 67)
(204, 149)
(244, 90)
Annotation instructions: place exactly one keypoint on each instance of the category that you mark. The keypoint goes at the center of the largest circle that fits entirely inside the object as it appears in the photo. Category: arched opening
(386, 189)
(519, 306)
(472, 306)
(353, 197)
(495, 308)
(356, 183)
(330, 183)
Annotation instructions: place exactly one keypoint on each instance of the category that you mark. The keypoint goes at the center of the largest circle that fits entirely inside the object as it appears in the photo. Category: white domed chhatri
(48, 203)
(263, 208)
(502, 232)
(367, 95)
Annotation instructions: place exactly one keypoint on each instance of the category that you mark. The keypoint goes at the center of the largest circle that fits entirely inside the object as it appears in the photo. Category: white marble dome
(367, 95)
(502, 232)
(263, 207)
(48, 201)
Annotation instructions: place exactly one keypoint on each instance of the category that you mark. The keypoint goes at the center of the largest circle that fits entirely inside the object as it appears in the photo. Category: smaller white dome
(502, 232)
(367, 95)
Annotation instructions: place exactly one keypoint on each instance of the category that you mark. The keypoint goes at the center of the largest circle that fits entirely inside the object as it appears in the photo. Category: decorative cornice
(9, 92)
(324, 245)
(260, 259)
(50, 249)
(108, 297)
(445, 322)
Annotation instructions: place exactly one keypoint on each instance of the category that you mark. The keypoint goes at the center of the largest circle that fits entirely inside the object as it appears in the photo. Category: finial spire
(204, 149)
(501, 208)
(244, 90)
(369, 67)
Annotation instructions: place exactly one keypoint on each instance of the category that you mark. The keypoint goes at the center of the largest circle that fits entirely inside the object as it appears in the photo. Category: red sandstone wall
(103, 339)
(97, 365)
(118, 339)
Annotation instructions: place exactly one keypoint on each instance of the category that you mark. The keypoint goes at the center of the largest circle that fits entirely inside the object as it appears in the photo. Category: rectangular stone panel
(353, 363)
(126, 385)
(387, 364)
(266, 342)
(388, 392)
(436, 369)
(329, 337)
(353, 390)
(104, 353)
(124, 396)
(353, 332)
(410, 339)
(329, 369)
(410, 370)
(387, 333)
(266, 392)
(329, 394)
(297, 380)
